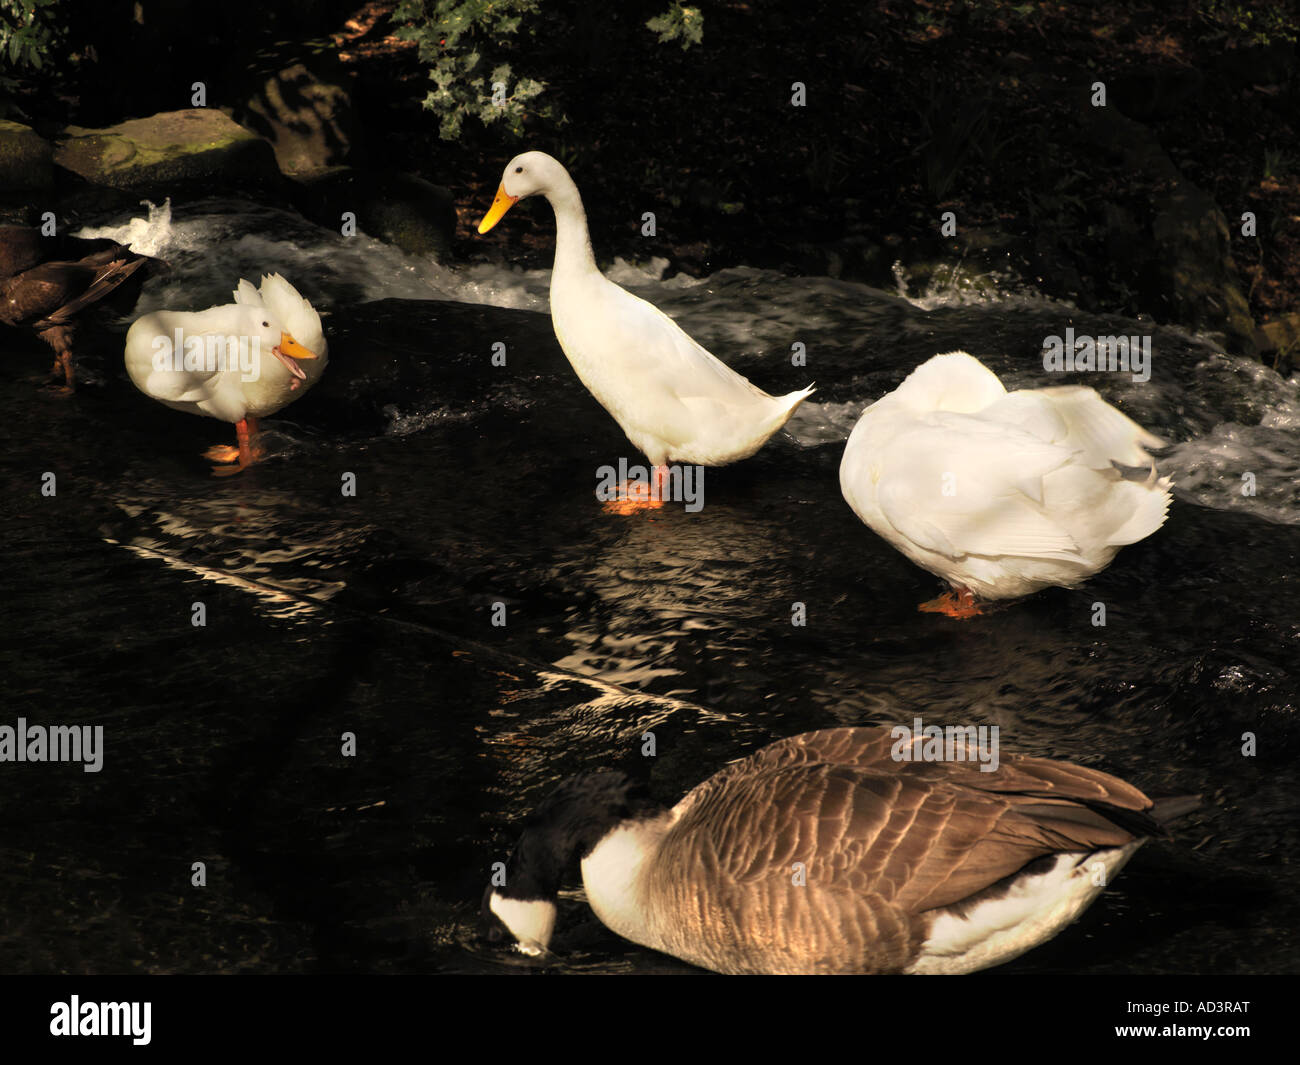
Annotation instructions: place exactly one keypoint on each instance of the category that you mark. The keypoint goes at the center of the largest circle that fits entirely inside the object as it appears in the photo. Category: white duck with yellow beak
(237, 362)
(676, 402)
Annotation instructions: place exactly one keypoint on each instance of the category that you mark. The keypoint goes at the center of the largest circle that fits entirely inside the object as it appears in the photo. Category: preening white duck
(216, 363)
(676, 402)
(1000, 493)
(825, 853)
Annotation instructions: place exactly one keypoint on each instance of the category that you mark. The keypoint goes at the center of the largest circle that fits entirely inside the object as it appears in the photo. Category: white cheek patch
(531, 921)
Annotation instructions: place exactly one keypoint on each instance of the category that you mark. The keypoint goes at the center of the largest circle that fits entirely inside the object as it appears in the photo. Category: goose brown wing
(918, 835)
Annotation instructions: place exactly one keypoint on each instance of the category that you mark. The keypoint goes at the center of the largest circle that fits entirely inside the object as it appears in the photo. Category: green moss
(26, 159)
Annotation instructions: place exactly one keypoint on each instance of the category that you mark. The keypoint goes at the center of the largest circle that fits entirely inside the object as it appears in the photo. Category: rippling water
(327, 614)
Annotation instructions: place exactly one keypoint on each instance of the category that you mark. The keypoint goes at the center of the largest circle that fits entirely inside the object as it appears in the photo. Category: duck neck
(573, 256)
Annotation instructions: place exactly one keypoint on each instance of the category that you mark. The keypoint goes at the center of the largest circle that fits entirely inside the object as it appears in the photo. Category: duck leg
(242, 456)
(959, 603)
(634, 496)
(59, 337)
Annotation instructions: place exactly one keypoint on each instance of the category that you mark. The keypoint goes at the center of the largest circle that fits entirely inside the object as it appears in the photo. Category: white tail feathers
(1150, 503)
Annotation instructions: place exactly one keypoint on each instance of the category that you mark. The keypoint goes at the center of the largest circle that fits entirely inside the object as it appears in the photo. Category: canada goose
(1000, 494)
(47, 296)
(907, 866)
(210, 362)
(675, 401)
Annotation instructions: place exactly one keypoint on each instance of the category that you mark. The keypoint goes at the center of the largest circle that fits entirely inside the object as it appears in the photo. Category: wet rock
(26, 158)
(1281, 337)
(402, 209)
(21, 247)
(307, 119)
(1178, 254)
(192, 146)
(1191, 244)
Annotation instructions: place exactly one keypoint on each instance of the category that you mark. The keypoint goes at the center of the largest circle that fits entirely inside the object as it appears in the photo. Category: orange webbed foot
(959, 604)
(242, 456)
(631, 498)
(222, 453)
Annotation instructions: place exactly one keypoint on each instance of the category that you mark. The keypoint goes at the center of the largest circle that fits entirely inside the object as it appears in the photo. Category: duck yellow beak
(289, 346)
(503, 202)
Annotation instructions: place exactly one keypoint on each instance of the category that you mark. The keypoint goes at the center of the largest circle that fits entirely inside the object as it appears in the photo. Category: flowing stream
(372, 615)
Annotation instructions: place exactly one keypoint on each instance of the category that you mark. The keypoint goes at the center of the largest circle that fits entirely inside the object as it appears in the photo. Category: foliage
(456, 39)
(1261, 22)
(679, 23)
(957, 127)
(29, 33)
(461, 39)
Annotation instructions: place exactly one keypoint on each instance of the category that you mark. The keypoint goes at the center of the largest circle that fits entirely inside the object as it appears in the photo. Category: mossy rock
(26, 158)
(174, 147)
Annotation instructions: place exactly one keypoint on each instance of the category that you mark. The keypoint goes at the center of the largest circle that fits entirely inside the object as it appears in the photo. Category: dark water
(329, 614)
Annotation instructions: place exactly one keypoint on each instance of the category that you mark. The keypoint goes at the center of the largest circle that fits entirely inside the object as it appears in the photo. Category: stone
(26, 158)
(1186, 260)
(168, 148)
(1281, 335)
(307, 119)
(402, 209)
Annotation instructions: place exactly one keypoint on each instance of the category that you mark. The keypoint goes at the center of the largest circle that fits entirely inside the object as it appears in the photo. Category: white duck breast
(1001, 493)
(675, 401)
(823, 854)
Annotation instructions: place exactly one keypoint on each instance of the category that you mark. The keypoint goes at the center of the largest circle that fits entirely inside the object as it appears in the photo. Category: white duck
(676, 402)
(213, 362)
(1000, 493)
(830, 852)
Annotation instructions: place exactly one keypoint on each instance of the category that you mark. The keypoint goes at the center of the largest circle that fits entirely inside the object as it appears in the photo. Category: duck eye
(266, 325)
(519, 170)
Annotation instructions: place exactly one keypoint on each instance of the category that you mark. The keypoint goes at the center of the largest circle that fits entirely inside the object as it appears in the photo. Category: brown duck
(47, 296)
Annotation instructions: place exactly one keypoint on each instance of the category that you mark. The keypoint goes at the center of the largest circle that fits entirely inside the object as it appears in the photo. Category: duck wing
(965, 484)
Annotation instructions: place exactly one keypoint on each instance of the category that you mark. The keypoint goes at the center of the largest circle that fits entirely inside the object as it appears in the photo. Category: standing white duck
(1000, 493)
(213, 362)
(675, 401)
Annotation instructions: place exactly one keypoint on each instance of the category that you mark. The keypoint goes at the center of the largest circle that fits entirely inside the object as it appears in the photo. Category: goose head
(529, 174)
(565, 828)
